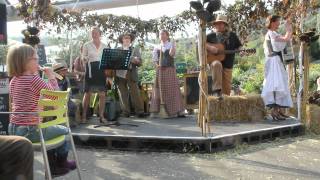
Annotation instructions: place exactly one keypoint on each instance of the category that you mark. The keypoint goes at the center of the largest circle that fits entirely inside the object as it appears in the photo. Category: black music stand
(115, 59)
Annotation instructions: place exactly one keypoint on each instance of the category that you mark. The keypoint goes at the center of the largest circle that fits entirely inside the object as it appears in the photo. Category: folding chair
(58, 100)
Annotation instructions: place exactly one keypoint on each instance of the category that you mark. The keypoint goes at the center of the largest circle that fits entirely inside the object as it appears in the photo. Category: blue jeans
(32, 133)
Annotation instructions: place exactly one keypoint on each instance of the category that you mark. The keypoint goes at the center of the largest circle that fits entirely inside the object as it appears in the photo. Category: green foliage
(248, 74)
(314, 50)
(313, 75)
(186, 52)
(147, 71)
(253, 84)
(3, 56)
(45, 13)
(66, 44)
(147, 75)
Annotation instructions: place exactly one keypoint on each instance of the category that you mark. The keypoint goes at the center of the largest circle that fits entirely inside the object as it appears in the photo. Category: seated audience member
(16, 158)
(24, 91)
(62, 69)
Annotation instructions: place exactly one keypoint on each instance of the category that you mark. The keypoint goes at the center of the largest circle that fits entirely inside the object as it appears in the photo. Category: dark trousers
(16, 158)
(126, 87)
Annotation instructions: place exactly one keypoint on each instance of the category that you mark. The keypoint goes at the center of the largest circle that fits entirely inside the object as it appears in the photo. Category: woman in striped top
(24, 90)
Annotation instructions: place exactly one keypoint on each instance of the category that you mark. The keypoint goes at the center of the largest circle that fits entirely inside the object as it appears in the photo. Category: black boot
(55, 169)
(62, 161)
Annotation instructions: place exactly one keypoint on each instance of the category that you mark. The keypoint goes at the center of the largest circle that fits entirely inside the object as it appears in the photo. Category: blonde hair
(17, 59)
(96, 28)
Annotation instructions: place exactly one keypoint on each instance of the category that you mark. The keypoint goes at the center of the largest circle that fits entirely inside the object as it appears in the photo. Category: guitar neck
(229, 51)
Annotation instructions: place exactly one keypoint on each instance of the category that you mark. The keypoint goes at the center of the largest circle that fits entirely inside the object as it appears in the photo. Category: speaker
(3, 24)
(192, 90)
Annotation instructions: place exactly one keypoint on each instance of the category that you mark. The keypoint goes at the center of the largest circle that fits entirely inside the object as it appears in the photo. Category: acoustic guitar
(220, 56)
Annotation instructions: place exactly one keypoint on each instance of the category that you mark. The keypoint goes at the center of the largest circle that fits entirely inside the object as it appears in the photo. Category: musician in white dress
(275, 92)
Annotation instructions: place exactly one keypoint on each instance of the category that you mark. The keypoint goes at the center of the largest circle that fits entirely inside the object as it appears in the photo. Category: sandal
(283, 115)
(103, 120)
(276, 116)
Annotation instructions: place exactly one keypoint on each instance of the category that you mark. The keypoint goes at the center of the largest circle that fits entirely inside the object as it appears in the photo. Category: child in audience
(24, 91)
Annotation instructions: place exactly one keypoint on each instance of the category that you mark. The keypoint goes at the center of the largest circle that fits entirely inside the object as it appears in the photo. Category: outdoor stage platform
(180, 134)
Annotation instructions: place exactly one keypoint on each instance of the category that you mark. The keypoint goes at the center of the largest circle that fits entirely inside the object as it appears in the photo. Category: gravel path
(295, 158)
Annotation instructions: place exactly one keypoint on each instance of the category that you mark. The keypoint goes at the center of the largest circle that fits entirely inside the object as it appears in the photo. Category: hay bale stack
(236, 108)
(312, 121)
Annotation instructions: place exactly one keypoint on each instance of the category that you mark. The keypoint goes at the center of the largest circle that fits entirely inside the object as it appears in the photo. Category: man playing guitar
(221, 68)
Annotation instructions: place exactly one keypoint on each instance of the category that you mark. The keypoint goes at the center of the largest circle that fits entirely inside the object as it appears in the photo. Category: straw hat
(221, 18)
(59, 66)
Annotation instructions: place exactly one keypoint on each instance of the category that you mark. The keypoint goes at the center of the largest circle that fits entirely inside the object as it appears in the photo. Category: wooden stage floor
(180, 134)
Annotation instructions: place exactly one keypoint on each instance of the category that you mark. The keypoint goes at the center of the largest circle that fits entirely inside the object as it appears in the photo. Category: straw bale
(236, 108)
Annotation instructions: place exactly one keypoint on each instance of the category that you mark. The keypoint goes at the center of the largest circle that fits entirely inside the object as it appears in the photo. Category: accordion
(288, 54)
(115, 59)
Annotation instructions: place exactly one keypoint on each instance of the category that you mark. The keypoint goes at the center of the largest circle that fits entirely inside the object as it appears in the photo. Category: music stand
(115, 59)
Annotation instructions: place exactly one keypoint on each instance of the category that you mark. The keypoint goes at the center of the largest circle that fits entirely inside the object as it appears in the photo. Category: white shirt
(122, 73)
(277, 45)
(163, 46)
(92, 54)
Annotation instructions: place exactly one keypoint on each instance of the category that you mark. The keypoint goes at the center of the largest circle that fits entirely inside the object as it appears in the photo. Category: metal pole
(71, 52)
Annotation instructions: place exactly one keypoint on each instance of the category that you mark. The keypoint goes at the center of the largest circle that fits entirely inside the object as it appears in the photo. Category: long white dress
(275, 90)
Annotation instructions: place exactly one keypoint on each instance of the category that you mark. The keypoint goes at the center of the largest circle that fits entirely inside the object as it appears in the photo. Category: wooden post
(203, 80)
(306, 64)
(291, 78)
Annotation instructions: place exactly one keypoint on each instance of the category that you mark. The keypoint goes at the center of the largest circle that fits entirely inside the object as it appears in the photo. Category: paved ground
(177, 127)
(297, 158)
